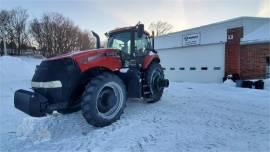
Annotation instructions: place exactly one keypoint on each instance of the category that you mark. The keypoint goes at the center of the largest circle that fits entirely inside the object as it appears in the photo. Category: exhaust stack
(97, 39)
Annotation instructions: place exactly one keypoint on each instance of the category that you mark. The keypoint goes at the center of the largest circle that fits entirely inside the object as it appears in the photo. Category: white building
(204, 54)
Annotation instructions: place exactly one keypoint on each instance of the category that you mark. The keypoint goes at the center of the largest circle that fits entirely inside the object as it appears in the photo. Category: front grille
(64, 70)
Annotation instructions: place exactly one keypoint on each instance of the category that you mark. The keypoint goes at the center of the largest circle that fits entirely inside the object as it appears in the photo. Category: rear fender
(148, 59)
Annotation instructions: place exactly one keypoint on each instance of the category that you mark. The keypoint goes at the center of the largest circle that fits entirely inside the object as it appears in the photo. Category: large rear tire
(153, 75)
(103, 100)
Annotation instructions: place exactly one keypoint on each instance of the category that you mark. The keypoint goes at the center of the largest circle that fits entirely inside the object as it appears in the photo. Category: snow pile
(267, 84)
(29, 130)
(260, 34)
(38, 130)
(16, 73)
(14, 68)
(229, 82)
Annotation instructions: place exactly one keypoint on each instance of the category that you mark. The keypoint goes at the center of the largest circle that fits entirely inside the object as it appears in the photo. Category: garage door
(194, 64)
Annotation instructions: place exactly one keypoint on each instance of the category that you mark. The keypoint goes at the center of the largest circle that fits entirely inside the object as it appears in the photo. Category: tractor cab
(133, 43)
(134, 46)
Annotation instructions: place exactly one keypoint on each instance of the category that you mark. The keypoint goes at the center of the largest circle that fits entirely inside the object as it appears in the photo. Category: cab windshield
(120, 41)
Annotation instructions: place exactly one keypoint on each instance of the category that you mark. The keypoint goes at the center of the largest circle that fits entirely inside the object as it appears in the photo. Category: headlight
(49, 84)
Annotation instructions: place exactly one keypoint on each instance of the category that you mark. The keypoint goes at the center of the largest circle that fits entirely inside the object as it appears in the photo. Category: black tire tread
(152, 67)
(89, 96)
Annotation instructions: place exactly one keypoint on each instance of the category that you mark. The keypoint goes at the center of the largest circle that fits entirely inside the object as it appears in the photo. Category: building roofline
(217, 23)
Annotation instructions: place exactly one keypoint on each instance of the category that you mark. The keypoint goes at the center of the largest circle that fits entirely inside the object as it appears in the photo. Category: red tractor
(98, 81)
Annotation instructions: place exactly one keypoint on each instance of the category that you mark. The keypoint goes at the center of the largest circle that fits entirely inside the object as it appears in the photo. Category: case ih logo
(191, 39)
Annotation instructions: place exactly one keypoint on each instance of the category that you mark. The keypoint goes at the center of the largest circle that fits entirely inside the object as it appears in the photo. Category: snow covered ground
(190, 117)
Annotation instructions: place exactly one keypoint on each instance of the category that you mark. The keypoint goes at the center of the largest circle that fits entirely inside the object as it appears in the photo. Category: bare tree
(86, 41)
(36, 32)
(18, 21)
(160, 27)
(4, 22)
(56, 34)
(53, 33)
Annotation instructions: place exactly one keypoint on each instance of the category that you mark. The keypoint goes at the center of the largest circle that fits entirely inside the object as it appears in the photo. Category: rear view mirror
(140, 30)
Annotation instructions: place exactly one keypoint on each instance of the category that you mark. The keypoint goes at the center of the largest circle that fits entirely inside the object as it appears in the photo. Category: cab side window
(141, 44)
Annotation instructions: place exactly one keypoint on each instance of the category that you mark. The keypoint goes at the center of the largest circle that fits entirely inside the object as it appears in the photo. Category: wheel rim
(110, 100)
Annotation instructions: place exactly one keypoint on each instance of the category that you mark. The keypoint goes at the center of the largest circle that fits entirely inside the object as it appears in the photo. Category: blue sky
(104, 15)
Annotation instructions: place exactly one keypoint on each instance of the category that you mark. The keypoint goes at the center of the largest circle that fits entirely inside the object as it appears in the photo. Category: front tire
(104, 100)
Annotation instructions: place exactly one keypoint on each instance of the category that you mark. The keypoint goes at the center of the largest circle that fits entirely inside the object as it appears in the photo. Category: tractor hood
(78, 54)
(105, 58)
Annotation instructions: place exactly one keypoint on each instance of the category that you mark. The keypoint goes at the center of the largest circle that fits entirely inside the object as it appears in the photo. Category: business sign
(191, 39)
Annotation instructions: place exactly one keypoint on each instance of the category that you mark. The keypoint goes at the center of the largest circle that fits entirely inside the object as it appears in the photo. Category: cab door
(142, 46)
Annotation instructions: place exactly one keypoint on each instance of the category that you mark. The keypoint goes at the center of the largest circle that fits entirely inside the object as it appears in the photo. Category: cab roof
(122, 29)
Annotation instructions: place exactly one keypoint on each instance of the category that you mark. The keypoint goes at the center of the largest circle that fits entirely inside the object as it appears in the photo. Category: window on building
(268, 60)
(172, 68)
(217, 68)
(164, 68)
(204, 68)
(267, 67)
(182, 68)
(192, 68)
